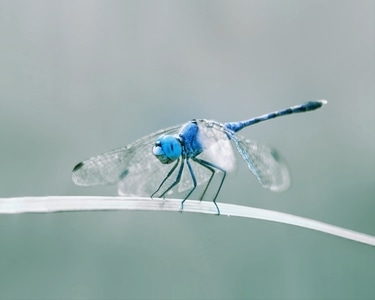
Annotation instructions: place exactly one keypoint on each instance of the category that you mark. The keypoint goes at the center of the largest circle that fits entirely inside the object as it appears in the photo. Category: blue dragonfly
(156, 164)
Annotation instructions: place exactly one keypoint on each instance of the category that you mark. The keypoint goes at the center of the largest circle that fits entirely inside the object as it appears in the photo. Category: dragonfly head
(167, 148)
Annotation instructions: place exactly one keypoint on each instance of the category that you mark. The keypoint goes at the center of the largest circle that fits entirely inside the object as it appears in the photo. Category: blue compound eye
(167, 148)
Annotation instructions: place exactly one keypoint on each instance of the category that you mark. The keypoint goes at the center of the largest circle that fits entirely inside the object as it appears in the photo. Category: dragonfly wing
(103, 169)
(114, 166)
(217, 147)
(266, 163)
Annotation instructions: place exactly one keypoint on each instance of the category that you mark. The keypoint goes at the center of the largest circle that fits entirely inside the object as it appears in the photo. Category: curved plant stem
(49, 204)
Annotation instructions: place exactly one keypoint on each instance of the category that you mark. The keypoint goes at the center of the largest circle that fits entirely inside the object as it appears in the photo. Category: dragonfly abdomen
(305, 107)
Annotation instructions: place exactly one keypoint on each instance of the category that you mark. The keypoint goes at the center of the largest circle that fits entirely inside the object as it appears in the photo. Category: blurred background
(78, 78)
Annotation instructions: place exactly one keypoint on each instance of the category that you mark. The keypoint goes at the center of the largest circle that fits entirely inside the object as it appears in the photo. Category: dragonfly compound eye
(167, 149)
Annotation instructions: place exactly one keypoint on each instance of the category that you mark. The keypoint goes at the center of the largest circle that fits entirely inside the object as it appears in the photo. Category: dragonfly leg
(166, 177)
(212, 170)
(177, 180)
(212, 167)
(194, 183)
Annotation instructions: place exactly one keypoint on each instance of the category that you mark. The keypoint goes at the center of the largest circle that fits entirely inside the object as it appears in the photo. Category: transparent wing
(217, 149)
(116, 165)
(266, 163)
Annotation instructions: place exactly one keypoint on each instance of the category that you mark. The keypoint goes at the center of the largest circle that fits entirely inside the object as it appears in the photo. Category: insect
(186, 156)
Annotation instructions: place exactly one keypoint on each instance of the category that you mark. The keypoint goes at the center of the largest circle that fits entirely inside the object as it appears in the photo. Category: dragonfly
(182, 157)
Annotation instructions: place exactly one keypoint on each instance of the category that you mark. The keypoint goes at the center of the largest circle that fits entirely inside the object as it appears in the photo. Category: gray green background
(81, 77)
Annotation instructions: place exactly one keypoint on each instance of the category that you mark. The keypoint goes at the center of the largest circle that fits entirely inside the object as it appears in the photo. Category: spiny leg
(211, 166)
(194, 183)
(166, 177)
(178, 178)
(212, 170)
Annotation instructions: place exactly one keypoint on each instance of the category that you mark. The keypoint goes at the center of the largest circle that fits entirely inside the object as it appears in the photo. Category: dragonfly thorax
(167, 148)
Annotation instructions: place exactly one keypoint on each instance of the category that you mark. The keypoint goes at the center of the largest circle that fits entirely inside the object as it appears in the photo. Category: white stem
(50, 204)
